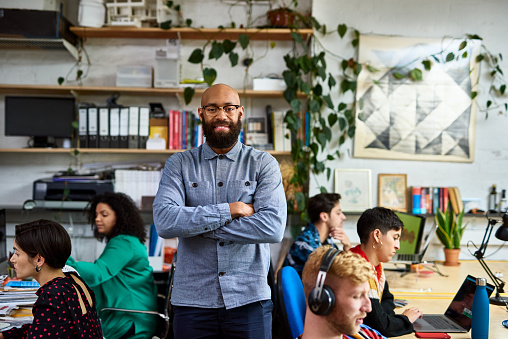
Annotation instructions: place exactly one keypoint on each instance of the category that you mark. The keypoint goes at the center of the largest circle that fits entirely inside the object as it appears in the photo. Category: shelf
(107, 151)
(278, 34)
(108, 90)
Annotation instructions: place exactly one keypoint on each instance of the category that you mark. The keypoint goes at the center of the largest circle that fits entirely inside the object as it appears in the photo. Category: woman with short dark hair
(65, 307)
(121, 277)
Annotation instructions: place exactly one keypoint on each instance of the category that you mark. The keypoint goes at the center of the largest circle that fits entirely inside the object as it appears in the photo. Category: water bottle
(480, 323)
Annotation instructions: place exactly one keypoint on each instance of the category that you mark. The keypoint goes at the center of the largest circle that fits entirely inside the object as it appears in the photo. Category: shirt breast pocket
(199, 193)
(242, 190)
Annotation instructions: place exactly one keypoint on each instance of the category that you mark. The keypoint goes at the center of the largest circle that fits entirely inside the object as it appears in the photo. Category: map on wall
(432, 119)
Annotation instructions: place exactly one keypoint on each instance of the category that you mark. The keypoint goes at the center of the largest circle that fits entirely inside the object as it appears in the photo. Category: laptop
(411, 251)
(457, 317)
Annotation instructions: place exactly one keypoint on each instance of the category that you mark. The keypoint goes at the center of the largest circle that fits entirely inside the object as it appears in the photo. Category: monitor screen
(411, 234)
(39, 117)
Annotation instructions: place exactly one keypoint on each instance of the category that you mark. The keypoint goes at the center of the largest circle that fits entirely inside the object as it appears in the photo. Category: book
(416, 191)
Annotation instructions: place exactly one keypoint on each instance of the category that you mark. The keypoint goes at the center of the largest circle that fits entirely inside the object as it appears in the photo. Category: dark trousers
(249, 321)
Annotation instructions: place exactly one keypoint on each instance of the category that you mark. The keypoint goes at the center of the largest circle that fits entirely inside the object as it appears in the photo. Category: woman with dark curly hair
(121, 277)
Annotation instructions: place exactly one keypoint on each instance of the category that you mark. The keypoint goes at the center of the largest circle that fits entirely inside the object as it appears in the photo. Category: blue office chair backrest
(292, 299)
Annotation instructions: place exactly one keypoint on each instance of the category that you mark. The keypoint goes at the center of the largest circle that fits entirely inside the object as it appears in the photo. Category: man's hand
(339, 234)
(240, 209)
(412, 313)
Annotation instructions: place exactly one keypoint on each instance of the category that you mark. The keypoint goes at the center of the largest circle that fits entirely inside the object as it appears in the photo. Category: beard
(222, 140)
(344, 323)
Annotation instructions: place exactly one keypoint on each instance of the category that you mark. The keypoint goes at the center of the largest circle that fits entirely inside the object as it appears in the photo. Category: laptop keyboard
(439, 322)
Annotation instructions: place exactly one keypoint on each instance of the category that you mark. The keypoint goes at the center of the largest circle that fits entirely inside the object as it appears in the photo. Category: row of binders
(115, 127)
(427, 200)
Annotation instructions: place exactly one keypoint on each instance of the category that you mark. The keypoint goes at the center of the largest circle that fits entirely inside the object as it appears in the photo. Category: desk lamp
(501, 234)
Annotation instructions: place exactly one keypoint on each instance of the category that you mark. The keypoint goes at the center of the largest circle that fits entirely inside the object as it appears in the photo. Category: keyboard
(438, 322)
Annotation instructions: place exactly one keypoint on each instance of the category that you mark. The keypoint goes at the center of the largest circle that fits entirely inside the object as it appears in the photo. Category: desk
(433, 294)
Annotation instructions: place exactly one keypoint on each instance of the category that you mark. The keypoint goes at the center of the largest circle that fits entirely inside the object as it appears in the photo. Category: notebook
(457, 317)
(411, 251)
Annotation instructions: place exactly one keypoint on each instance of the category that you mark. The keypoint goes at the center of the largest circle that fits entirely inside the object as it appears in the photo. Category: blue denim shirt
(305, 243)
(221, 261)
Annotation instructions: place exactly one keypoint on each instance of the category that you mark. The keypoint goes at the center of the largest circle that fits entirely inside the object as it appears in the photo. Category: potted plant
(449, 231)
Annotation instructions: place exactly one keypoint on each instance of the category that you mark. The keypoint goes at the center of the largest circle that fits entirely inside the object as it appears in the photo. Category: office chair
(165, 329)
(291, 300)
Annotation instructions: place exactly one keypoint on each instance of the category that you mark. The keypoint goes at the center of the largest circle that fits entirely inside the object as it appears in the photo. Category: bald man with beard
(225, 202)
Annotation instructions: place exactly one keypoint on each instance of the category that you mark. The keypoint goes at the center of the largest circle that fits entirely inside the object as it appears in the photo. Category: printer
(68, 193)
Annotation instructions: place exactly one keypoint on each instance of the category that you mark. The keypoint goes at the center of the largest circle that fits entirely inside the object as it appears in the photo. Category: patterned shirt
(366, 333)
(303, 246)
(58, 314)
(226, 260)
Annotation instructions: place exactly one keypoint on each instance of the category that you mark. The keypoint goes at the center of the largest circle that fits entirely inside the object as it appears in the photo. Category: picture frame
(355, 189)
(392, 191)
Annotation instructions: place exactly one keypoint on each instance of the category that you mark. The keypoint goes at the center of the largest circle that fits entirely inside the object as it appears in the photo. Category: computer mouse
(505, 323)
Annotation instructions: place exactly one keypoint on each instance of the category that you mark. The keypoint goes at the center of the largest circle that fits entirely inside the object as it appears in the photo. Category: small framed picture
(392, 191)
(355, 189)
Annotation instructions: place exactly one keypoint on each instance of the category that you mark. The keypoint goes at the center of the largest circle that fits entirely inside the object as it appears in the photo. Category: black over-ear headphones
(321, 298)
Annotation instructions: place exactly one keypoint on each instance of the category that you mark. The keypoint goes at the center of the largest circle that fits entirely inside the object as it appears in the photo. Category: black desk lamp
(501, 234)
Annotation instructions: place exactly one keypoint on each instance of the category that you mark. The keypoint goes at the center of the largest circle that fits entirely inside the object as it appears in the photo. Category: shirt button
(221, 274)
(221, 243)
(221, 157)
(220, 184)
(247, 183)
(194, 184)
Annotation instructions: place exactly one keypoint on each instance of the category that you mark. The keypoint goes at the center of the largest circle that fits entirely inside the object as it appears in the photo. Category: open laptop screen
(460, 309)
(411, 234)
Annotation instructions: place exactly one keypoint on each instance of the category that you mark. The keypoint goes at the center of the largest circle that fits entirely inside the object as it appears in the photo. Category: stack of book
(427, 200)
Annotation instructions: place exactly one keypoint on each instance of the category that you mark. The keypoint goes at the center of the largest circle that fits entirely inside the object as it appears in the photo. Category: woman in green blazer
(121, 277)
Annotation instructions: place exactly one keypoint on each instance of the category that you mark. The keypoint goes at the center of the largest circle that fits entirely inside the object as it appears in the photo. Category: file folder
(114, 127)
(104, 127)
(133, 127)
(83, 127)
(93, 132)
(124, 127)
(144, 126)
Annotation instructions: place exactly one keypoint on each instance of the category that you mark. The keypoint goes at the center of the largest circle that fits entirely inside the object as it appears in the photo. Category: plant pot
(451, 256)
(281, 17)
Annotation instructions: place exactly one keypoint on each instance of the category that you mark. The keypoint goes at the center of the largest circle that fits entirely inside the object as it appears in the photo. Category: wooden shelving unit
(274, 34)
(107, 151)
(107, 90)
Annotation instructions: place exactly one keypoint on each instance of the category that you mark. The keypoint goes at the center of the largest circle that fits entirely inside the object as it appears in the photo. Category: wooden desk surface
(432, 293)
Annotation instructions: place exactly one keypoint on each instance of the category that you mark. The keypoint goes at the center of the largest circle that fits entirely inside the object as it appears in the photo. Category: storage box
(269, 84)
(134, 76)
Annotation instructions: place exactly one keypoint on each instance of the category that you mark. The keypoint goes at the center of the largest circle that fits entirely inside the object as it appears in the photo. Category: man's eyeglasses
(213, 110)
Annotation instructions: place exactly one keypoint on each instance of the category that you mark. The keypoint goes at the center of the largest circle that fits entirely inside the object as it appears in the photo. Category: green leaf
(297, 37)
(489, 102)
(463, 45)
(480, 57)
(351, 131)
(416, 74)
(289, 78)
(188, 93)
(209, 75)
(228, 45)
(332, 119)
(328, 100)
(296, 105)
(233, 58)
(75, 124)
(216, 51)
(502, 89)
(473, 94)
(342, 123)
(342, 106)
(272, 44)
(318, 91)
(355, 42)
(342, 29)
(165, 24)
(450, 57)
(314, 106)
(247, 62)
(427, 64)
(188, 22)
(243, 39)
(60, 80)
(331, 81)
(196, 56)
(398, 75)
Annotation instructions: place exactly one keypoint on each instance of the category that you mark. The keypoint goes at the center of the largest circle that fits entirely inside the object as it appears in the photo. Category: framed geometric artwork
(431, 119)
(355, 189)
(392, 191)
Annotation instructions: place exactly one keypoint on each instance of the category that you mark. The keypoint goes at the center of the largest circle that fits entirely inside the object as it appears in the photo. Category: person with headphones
(336, 285)
(325, 225)
(379, 230)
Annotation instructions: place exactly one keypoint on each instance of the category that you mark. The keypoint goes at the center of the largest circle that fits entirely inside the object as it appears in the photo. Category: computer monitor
(40, 118)
(411, 234)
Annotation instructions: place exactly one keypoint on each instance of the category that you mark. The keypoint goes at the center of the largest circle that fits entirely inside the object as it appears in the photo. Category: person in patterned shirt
(326, 221)
(65, 307)
(348, 280)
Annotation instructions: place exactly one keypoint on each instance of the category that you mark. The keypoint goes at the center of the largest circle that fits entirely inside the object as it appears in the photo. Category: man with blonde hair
(336, 286)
